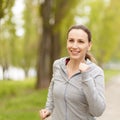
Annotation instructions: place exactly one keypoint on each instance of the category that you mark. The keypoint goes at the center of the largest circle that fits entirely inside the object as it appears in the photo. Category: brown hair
(85, 29)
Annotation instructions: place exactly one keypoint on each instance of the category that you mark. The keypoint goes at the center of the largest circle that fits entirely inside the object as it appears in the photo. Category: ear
(90, 45)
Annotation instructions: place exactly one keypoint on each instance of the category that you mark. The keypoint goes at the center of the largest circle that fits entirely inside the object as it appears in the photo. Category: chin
(75, 57)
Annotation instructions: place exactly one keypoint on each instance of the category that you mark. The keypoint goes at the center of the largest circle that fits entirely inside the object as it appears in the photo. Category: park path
(112, 94)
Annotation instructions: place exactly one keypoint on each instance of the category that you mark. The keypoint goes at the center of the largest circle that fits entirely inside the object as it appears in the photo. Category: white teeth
(75, 52)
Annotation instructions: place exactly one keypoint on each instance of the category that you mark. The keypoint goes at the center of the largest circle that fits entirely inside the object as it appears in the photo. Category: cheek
(85, 48)
(68, 46)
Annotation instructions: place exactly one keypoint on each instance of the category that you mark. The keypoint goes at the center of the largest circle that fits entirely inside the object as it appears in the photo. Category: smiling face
(78, 44)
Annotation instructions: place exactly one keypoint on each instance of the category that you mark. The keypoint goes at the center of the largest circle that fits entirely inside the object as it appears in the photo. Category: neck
(75, 63)
(73, 67)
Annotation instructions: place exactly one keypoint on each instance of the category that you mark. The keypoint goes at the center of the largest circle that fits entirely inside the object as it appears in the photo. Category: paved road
(112, 111)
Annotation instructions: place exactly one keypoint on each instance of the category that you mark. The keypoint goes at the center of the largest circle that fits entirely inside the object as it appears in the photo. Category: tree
(115, 9)
(30, 40)
(101, 23)
(5, 36)
(105, 36)
(52, 13)
(4, 7)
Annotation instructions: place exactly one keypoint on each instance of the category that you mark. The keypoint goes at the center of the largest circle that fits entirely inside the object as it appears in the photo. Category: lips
(75, 52)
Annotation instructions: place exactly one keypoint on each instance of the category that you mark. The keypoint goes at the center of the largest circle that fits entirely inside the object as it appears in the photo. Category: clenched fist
(83, 67)
(44, 113)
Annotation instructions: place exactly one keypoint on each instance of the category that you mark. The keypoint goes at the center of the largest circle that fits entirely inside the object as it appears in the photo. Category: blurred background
(33, 34)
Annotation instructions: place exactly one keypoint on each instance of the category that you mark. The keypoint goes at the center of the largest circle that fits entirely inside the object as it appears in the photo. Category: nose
(75, 45)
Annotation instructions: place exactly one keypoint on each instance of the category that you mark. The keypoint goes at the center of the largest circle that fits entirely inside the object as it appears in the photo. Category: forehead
(78, 33)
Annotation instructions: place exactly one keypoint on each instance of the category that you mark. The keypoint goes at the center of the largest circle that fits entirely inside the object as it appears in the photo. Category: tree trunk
(4, 69)
(49, 48)
(44, 61)
(49, 51)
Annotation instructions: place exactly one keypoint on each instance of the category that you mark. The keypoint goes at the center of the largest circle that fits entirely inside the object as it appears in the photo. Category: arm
(50, 102)
(93, 87)
(94, 92)
(44, 113)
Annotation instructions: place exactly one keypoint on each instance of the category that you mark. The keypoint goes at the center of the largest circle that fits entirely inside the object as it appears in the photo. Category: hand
(44, 113)
(83, 67)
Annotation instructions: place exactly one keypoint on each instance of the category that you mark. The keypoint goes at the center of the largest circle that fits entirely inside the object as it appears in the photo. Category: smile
(75, 52)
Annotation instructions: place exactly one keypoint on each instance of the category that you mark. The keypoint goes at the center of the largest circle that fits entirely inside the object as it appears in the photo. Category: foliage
(23, 103)
(98, 15)
(25, 51)
(6, 35)
(31, 35)
(109, 74)
(5, 5)
(114, 7)
(15, 50)
(104, 36)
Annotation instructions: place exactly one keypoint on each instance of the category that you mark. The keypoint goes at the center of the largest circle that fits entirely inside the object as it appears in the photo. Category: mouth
(75, 52)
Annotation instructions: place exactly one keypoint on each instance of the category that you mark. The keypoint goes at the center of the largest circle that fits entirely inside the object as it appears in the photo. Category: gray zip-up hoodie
(79, 98)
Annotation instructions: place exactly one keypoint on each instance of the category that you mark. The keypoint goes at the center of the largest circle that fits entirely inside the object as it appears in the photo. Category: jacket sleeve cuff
(86, 76)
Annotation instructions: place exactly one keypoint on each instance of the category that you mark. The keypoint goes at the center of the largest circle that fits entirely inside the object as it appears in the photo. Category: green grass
(20, 101)
(110, 73)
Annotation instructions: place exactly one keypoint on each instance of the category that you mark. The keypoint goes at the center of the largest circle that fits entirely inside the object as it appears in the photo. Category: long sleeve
(93, 87)
(50, 102)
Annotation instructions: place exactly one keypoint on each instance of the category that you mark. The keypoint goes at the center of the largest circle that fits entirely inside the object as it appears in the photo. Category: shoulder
(59, 62)
(95, 69)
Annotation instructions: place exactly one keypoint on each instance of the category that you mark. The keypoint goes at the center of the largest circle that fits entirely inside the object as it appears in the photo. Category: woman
(76, 90)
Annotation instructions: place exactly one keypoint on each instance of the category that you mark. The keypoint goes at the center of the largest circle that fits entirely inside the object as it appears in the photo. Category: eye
(80, 41)
(71, 40)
